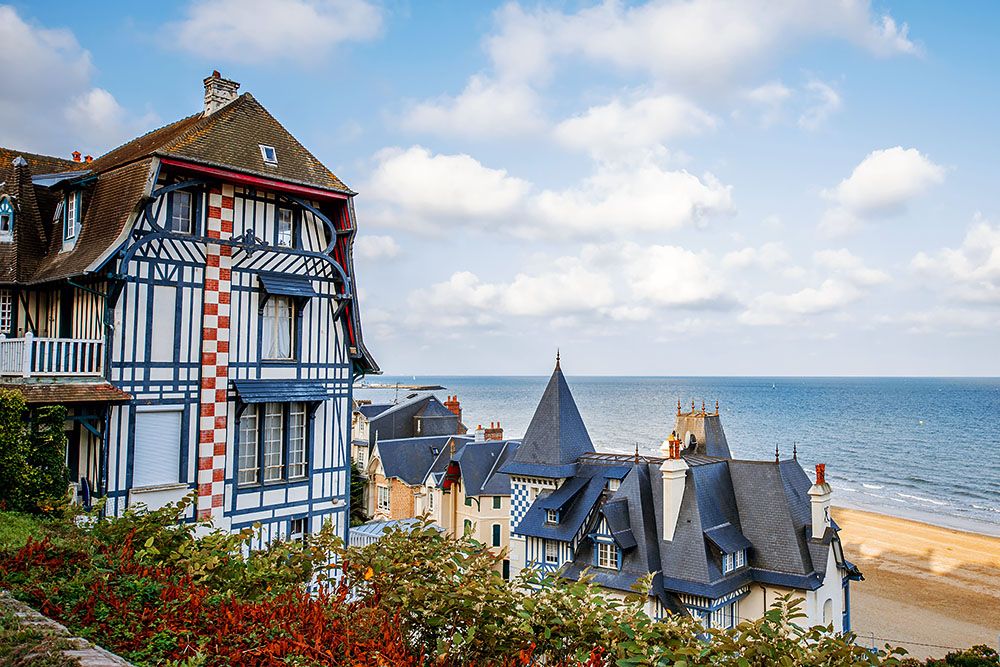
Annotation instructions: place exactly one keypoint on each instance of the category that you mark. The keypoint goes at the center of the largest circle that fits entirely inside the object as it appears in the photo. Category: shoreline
(924, 584)
(940, 520)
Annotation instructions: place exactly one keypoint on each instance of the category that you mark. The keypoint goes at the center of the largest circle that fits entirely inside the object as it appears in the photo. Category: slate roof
(371, 411)
(556, 436)
(409, 459)
(478, 463)
(399, 420)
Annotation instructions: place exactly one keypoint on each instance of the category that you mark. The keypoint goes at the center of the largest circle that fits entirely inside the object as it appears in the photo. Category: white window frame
(274, 320)
(189, 220)
(6, 311)
(264, 154)
(249, 464)
(274, 432)
(614, 484)
(6, 219)
(551, 548)
(297, 530)
(551, 516)
(286, 237)
(733, 561)
(383, 498)
(297, 467)
(71, 224)
(607, 555)
(430, 501)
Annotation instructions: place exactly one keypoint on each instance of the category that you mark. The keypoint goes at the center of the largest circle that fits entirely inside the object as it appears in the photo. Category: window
(496, 502)
(607, 555)
(725, 617)
(249, 465)
(157, 457)
(551, 516)
(551, 551)
(297, 530)
(71, 223)
(274, 425)
(277, 332)
(296, 441)
(6, 219)
(383, 498)
(269, 154)
(468, 501)
(430, 501)
(273, 443)
(614, 484)
(468, 527)
(734, 561)
(496, 534)
(286, 223)
(181, 211)
(6, 311)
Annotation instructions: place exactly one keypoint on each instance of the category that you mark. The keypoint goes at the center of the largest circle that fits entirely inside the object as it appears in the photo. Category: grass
(21, 646)
(16, 527)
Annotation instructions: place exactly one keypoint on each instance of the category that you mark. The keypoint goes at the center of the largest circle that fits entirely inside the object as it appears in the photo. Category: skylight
(269, 154)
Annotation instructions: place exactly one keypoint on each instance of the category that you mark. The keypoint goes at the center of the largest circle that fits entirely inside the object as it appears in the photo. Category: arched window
(6, 219)
(468, 526)
(828, 612)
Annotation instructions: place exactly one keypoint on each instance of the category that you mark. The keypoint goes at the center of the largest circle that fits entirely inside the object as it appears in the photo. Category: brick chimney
(494, 432)
(674, 471)
(819, 499)
(218, 92)
(453, 405)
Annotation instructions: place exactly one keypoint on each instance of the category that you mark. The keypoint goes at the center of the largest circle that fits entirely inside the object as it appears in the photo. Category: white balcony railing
(51, 357)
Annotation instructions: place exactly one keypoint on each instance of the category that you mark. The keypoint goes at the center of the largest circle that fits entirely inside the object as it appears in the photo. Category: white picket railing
(51, 357)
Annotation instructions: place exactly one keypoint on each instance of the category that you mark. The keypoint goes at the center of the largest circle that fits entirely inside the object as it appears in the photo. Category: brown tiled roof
(40, 164)
(230, 138)
(65, 393)
(107, 206)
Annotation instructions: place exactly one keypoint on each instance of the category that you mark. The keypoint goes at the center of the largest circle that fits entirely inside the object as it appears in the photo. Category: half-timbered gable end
(191, 296)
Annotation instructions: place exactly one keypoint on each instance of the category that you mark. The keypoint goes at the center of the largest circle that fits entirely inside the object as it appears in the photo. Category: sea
(921, 448)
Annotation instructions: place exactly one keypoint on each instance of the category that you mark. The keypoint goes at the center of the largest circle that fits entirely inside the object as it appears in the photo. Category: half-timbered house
(190, 296)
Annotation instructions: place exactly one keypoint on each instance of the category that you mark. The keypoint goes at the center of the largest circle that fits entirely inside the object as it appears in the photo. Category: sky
(700, 187)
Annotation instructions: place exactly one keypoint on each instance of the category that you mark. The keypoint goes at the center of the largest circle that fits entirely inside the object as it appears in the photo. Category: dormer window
(181, 211)
(71, 217)
(6, 219)
(269, 154)
(734, 561)
(614, 484)
(551, 516)
(607, 556)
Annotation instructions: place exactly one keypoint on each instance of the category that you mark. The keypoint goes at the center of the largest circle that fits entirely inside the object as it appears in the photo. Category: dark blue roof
(372, 411)
(559, 498)
(285, 284)
(728, 538)
(409, 459)
(281, 391)
(477, 462)
(556, 436)
(570, 519)
(616, 512)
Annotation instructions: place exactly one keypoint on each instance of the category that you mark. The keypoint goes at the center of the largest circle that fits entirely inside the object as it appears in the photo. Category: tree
(359, 484)
(33, 473)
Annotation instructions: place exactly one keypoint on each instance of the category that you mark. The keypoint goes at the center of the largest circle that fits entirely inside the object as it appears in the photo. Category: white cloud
(618, 127)
(376, 247)
(882, 184)
(971, 271)
(673, 276)
(824, 101)
(696, 43)
(47, 100)
(768, 256)
(771, 308)
(264, 31)
(851, 267)
(621, 198)
(485, 107)
(419, 189)
(771, 99)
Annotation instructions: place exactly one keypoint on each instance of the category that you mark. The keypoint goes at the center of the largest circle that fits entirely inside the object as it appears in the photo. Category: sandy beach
(923, 584)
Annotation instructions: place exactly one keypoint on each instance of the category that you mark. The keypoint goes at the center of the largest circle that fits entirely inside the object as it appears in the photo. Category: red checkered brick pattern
(213, 422)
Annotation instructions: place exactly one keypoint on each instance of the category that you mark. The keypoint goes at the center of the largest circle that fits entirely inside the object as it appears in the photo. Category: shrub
(33, 473)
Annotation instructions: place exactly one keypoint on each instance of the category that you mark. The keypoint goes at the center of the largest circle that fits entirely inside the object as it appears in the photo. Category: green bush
(33, 473)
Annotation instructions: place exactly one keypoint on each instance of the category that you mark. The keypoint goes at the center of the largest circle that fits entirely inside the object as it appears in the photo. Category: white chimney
(819, 499)
(480, 434)
(674, 471)
(218, 92)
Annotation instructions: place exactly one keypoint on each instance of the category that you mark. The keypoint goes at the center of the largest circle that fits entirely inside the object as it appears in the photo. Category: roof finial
(692, 406)
(637, 451)
(557, 359)
(716, 406)
(678, 407)
(703, 406)
(775, 452)
(795, 451)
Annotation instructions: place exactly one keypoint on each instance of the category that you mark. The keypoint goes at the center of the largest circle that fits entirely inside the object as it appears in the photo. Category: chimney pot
(821, 473)
(88, 158)
(76, 156)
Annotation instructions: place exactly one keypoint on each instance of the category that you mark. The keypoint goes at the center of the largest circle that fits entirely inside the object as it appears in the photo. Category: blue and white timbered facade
(223, 312)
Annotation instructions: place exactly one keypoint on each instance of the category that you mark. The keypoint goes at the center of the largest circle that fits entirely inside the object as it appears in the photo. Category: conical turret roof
(556, 436)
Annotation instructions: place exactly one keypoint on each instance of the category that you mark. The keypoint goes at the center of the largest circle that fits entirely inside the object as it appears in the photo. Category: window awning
(281, 391)
(283, 284)
(727, 538)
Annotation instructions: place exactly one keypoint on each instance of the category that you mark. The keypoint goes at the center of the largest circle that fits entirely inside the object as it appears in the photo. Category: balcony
(32, 356)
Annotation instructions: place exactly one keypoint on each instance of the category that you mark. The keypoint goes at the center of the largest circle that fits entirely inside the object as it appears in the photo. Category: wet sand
(923, 584)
